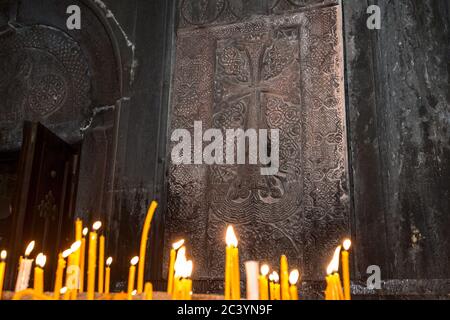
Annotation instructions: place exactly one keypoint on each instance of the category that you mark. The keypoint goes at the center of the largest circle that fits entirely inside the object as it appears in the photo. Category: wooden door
(44, 202)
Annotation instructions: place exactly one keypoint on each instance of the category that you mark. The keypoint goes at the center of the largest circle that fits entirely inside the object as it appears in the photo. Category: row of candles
(260, 284)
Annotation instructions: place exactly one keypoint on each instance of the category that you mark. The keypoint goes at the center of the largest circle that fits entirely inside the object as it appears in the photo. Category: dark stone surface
(399, 115)
(398, 119)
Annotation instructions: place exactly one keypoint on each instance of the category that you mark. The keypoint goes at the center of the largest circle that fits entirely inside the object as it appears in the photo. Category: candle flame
(85, 231)
(276, 277)
(271, 277)
(265, 269)
(67, 253)
(134, 292)
(109, 261)
(97, 225)
(75, 246)
(41, 259)
(177, 245)
(346, 245)
(29, 249)
(294, 276)
(63, 290)
(189, 266)
(134, 261)
(334, 264)
(180, 262)
(3, 255)
(230, 238)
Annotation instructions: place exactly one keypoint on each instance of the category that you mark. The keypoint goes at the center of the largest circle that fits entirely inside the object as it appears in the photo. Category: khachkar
(276, 71)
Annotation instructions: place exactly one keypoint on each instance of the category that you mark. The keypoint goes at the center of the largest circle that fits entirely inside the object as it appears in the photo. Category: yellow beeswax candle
(3, 255)
(131, 277)
(276, 286)
(101, 264)
(25, 265)
(263, 283)
(108, 274)
(346, 269)
(60, 273)
(173, 253)
(148, 291)
(92, 260)
(39, 274)
(284, 278)
(232, 271)
(293, 279)
(179, 268)
(143, 247)
(83, 259)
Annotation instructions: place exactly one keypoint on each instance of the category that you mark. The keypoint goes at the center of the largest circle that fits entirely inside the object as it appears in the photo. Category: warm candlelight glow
(109, 261)
(265, 269)
(275, 277)
(66, 253)
(75, 246)
(3, 255)
(231, 239)
(293, 277)
(29, 249)
(189, 266)
(97, 225)
(134, 261)
(41, 259)
(85, 231)
(177, 245)
(133, 293)
(63, 290)
(346, 244)
(335, 261)
(271, 277)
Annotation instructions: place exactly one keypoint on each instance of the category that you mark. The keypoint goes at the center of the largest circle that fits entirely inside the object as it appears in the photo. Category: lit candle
(3, 255)
(39, 274)
(284, 278)
(108, 274)
(148, 291)
(73, 270)
(25, 266)
(271, 287)
(101, 264)
(293, 278)
(346, 269)
(179, 268)
(92, 258)
(263, 283)
(83, 258)
(232, 272)
(63, 292)
(173, 253)
(143, 247)
(276, 286)
(60, 273)
(187, 282)
(252, 272)
(334, 289)
(131, 277)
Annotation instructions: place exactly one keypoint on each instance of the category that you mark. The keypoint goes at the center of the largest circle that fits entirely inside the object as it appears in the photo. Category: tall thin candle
(3, 255)
(143, 247)
(346, 268)
(131, 277)
(92, 259)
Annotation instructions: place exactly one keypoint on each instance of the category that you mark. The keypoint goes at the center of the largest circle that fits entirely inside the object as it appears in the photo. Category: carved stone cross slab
(271, 72)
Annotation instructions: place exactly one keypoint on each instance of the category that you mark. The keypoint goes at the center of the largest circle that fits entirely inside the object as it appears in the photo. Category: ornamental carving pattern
(277, 72)
(43, 77)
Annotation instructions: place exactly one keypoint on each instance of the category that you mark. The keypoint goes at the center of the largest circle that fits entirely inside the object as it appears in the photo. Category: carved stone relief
(43, 77)
(276, 72)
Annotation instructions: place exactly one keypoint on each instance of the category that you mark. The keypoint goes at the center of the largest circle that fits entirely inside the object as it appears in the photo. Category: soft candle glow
(177, 245)
(230, 237)
(29, 248)
(63, 290)
(41, 259)
(265, 269)
(97, 225)
(85, 231)
(75, 246)
(293, 277)
(66, 253)
(134, 261)
(3, 255)
(275, 276)
(346, 244)
(109, 261)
